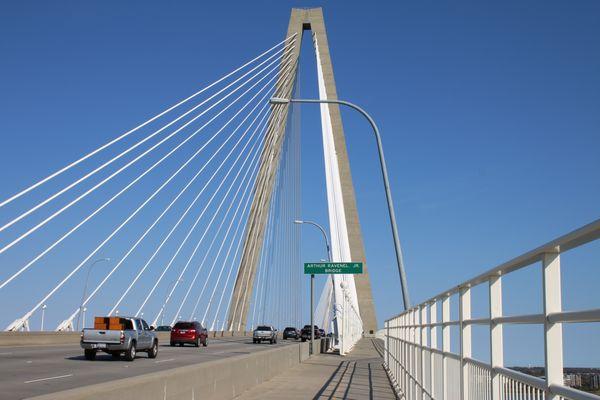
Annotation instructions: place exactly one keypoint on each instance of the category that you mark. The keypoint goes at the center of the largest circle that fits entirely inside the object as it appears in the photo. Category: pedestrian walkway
(359, 375)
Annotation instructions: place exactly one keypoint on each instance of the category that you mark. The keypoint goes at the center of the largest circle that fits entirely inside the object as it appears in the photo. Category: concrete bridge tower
(345, 223)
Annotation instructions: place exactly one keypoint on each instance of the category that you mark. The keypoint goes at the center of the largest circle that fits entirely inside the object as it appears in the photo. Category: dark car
(191, 332)
(163, 328)
(291, 333)
(305, 333)
(322, 332)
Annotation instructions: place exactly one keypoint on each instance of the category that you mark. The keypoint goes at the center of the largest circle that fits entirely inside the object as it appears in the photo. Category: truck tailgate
(101, 336)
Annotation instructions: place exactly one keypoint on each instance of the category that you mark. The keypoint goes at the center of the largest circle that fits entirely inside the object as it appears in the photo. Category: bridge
(195, 214)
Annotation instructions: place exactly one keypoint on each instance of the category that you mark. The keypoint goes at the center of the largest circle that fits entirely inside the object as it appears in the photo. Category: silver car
(264, 333)
(134, 336)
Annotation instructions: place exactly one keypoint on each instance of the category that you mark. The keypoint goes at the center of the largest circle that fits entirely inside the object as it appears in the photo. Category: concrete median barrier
(13, 339)
(219, 379)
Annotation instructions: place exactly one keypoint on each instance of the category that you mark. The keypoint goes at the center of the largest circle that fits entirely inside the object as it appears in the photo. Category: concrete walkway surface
(359, 375)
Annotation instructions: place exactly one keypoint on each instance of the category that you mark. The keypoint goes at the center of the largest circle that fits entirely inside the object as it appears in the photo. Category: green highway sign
(333, 268)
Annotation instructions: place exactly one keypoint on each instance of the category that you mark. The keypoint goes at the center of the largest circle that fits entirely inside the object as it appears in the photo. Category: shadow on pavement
(359, 377)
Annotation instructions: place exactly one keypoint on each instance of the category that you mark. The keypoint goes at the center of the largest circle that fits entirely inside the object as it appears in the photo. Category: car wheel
(197, 342)
(89, 354)
(205, 342)
(131, 352)
(172, 344)
(153, 352)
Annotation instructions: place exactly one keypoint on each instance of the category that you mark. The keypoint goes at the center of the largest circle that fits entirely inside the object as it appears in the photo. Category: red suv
(189, 332)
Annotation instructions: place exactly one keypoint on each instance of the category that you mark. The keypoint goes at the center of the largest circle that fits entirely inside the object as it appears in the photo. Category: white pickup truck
(134, 336)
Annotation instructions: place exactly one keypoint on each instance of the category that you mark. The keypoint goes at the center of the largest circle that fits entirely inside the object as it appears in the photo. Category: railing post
(418, 354)
(387, 344)
(465, 339)
(402, 341)
(407, 353)
(496, 337)
(445, 345)
(411, 353)
(553, 342)
(424, 345)
(395, 352)
(434, 345)
(398, 345)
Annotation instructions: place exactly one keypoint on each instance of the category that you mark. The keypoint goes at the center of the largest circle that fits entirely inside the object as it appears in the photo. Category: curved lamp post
(386, 184)
(87, 278)
(312, 281)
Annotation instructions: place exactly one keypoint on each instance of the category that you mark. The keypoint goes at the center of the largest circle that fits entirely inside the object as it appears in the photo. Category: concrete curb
(218, 379)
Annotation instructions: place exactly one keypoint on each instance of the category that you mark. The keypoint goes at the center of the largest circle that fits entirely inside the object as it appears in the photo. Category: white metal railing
(417, 346)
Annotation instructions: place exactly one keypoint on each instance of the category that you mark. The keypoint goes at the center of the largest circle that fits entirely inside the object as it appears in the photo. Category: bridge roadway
(36, 370)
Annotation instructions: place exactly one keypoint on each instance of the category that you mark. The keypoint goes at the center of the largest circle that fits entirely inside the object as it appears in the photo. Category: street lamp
(83, 317)
(164, 306)
(386, 184)
(85, 287)
(312, 281)
(328, 248)
(43, 312)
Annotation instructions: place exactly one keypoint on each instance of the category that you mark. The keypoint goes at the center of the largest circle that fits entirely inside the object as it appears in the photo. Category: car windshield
(184, 325)
(290, 329)
(263, 328)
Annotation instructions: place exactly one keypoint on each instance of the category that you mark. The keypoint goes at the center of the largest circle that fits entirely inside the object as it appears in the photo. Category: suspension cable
(105, 240)
(124, 135)
(223, 180)
(246, 194)
(123, 190)
(168, 207)
(287, 91)
(181, 218)
(85, 194)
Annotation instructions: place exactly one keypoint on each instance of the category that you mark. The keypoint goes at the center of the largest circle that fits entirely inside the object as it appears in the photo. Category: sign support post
(330, 268)
(312, 314)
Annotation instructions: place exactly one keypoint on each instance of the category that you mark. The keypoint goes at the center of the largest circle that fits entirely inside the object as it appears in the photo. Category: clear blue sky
(490, 115)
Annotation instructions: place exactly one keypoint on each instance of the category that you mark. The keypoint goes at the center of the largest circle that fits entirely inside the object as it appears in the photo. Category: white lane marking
(28, 362)
(47, 379)
(5, 354)
(161, 361)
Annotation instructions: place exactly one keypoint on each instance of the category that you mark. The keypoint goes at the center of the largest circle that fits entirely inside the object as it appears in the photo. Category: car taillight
(122, 338)
(192, 331)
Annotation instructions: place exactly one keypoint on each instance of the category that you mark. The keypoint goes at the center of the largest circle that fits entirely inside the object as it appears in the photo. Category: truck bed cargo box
(101, 323)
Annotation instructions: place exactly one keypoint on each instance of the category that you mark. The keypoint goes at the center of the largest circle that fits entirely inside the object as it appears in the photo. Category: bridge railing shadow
(360, 375)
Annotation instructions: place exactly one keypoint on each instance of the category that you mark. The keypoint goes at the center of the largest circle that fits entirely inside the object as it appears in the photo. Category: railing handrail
(417, 334)
(578, 237)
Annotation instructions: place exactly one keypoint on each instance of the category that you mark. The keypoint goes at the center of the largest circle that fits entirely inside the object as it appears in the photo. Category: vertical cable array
(276, 296)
